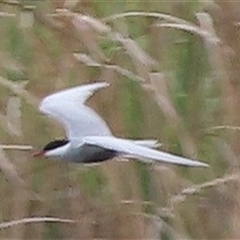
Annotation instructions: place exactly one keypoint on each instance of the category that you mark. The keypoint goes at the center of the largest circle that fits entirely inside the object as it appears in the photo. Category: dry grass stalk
(11, 123)
(95, 23)
(167, 17)
(6, 126)
(26, 19)
(87, 60)
(131, 46)
(9, 170)
(16, 147)
(158, 85)
(89, 38)
(70, 4)
(11, 2)
(34, 220)
(193, 29)
(133, 49)
(216, 49)
(14, 115)
(19, 90)
(206, 24)
(226, 127)
(196, 189)
(224, 60)
(6, 14)
(228, 155)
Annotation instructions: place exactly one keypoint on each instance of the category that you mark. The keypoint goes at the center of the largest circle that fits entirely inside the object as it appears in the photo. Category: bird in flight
(89, 139)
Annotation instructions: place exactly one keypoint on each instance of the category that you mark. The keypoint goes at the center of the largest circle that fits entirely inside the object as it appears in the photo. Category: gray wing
(128, 147)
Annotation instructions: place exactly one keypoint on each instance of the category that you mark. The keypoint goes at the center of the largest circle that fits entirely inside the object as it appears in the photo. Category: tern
(89, 139)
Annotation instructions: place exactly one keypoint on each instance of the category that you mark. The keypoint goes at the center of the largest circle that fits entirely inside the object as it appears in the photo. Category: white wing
(68, 107)
(128, 147)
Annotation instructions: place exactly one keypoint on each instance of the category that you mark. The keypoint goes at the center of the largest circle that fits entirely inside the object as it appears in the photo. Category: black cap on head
(55, 144)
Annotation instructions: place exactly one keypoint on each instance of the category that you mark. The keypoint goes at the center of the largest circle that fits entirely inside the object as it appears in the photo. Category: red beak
(38, 153)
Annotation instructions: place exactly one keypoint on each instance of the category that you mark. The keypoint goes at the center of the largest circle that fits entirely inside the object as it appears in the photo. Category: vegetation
(174, 74)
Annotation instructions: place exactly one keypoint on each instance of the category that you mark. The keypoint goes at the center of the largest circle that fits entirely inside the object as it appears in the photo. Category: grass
(173, 70)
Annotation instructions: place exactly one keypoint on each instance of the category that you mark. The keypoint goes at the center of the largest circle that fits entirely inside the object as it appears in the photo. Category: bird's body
(87, 153)
(89, 139)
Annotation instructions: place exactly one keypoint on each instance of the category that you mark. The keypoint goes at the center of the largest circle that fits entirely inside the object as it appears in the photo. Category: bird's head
(52, 149)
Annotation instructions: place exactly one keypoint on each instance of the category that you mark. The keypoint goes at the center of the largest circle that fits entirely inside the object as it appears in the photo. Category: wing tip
(199, 164)
(205, 165)
(102, 84)
(91, 88)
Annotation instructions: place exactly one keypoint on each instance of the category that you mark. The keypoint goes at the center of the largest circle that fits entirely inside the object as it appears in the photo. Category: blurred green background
(174, 73)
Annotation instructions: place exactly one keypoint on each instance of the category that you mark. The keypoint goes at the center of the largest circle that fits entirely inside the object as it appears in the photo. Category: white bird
(89, 139)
